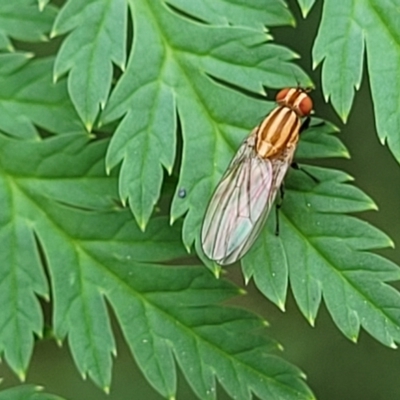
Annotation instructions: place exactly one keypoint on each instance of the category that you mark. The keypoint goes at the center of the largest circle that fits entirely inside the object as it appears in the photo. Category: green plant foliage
(22, 19)
(26, 392)
(97, 38)
(250, 13)
(28, 99)
(42, 4)
(334, 262)
(350, 32)
(192, 77)
(5, 43)
(56, 196)
(181, 78)
(305, 6)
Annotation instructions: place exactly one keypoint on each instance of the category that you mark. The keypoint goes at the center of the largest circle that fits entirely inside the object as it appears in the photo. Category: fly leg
(304, 126)
(278, 205)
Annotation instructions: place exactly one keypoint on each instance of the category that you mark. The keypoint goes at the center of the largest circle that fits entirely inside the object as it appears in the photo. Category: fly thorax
(279, 130)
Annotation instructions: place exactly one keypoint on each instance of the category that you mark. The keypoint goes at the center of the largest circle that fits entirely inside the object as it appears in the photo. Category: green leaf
(10, 62)
(325, 253)
(196, 71)
(22, 278)
(60, 208)
(5, 43)
(250, 13)
(28, 170)
(42, 4)
(26, 392)
(96, 39)
(318, 142)
(22, 20)
(349, 29)
(267, 264)
(305, 6)
(176, 315)
(340, 43)
(29, 98)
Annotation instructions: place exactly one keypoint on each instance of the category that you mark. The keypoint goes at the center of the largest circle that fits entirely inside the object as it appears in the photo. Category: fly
(244, 197)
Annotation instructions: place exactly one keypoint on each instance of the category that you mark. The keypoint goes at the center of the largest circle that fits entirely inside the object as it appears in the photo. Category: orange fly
(243, 199)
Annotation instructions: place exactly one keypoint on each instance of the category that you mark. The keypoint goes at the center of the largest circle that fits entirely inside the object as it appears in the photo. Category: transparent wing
(241, 202)
(280, 166)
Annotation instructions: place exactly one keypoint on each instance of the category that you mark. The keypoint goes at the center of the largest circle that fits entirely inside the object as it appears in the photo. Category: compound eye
(306, 106)
(281, 95)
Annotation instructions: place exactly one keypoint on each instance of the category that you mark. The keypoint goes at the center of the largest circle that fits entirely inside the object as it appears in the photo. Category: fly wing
(280, 166)
(241, 202)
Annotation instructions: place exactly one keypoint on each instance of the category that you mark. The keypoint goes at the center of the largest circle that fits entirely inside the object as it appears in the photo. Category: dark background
(335, 367)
